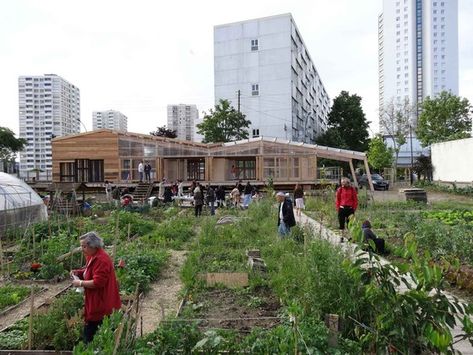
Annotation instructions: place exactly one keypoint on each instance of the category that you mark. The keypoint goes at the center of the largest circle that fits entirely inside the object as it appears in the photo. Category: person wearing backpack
(346, 202)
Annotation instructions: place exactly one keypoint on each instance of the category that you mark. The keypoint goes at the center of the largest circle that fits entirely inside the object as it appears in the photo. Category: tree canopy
(347, 124)
(223, 124)
(9, 144)
(445, 117)
(164, 132)
(379, 155)
(395, 122)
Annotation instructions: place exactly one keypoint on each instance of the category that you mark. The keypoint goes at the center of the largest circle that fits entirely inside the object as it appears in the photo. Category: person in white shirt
(141, 170)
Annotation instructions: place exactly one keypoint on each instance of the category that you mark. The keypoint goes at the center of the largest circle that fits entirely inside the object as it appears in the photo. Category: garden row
(443, 230)
(283, 309)
(138, 243)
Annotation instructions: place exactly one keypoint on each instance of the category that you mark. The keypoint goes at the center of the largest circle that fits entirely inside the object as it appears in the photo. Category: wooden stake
(331, 321)
(129, 229)
(30, 328)
(119, 335)
(34, 243)
(1, 255)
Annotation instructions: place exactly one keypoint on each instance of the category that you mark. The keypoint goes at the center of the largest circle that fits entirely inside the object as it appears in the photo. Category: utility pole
(412, 157)
(239, 95)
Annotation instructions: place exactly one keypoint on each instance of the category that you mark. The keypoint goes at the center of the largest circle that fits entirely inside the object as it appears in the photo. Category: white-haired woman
(99, 282)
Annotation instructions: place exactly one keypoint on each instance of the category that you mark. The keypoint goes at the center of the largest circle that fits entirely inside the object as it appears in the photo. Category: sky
(139, 56)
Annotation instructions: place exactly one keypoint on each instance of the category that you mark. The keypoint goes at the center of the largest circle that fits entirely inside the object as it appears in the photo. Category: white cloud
(137, 57)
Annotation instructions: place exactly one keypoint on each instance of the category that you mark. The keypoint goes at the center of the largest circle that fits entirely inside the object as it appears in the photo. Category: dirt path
(164, 294)
(23, 310)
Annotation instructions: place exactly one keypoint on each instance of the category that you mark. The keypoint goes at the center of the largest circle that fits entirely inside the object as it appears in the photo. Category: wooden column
(368, 174)
(208, 168)
(355, 181)
(315, 167)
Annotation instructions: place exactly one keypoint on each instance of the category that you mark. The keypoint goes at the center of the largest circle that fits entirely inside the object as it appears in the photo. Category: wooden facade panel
(290, 162)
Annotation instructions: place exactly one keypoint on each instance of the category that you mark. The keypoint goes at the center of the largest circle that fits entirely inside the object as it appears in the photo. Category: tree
(395, 122)
(379, 155)
(423, 167)
(223, 124)
(445, 117)
(164, 132)
(348, 127)
(9, 145)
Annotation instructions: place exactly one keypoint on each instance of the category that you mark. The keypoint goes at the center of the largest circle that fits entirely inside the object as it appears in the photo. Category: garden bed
(238, 310)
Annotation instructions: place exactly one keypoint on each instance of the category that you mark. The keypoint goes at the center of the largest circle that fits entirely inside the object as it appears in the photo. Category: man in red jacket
(99, 282)
(346, 202)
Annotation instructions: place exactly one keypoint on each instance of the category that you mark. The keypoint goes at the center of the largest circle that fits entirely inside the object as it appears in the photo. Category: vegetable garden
(286, 306)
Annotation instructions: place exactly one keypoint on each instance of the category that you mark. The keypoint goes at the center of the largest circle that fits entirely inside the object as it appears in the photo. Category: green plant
(60, 327)
(142, 265)
(11, 295)
(104, 340)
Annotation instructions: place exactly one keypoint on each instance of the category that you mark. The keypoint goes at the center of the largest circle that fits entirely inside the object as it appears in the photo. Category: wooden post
(34, 243)
(118, 335)
(129, 229)
(368, 174)
(331, 321)
(1, 255)
(355, 181)
(30, 327)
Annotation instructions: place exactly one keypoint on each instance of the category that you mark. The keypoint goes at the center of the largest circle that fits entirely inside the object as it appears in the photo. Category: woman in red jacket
(99, 282)
(346, 202)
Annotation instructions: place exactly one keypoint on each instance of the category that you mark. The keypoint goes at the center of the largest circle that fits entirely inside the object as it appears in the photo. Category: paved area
(349, 248)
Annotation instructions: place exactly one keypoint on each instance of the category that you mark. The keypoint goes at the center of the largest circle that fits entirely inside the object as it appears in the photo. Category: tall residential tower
(109, 119)
(263, 67)
(49, 106)
(182, 118)
(418, 50)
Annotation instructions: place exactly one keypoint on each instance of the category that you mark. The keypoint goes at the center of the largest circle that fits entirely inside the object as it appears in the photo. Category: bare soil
(432, 196)
(227, 309)
(163, 298)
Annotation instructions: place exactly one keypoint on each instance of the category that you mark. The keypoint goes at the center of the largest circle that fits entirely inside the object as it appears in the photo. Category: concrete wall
(453, 161)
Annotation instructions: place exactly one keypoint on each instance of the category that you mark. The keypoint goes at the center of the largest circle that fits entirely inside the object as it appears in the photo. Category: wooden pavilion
(97, 156)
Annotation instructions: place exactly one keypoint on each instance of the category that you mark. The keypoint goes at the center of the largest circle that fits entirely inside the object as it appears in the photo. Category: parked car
(378, 182)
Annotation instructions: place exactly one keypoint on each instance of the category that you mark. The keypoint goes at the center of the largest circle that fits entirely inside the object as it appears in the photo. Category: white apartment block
(49, 106)
(264, 67)
(109, 119)
(182, 118)
(418, 50)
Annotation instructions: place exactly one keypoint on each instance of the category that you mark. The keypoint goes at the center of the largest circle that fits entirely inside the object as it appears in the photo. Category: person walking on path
(346, 203)
(220, 195)
(141, 170)
(198, 200)
(148, 171)
(211, 199)
(180, 188)
(99, 282)
(247, 194)
(299, 199)
(286, 218)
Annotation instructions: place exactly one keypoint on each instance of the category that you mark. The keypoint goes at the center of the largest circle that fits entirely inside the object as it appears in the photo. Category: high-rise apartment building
(417, 57)
(110, 119)
(263, 67)
(182, 118)
(418, 50)
(49, 106)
